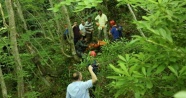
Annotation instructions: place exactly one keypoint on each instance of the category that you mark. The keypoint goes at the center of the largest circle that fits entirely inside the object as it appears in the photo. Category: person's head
(81, 37)
(99, 12)
(89, 19)
(66, 25)
(93, 53)
(77, 76)
(75, 23)
(83, 22)
(112, 23)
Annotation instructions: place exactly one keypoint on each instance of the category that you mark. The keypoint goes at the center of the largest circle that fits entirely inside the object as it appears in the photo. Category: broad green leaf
(115, 77)
(159, 1)
(183, 70)
(169, 35)
(124, 69)
(134, 41)
(117, 70)
(122, 58)
(149, 71)
(160, 69)
(149, 84)
(146, 18)
(144, 71)
(81, 3)
(132, 68)
(137, 74)
(173, 70)
(127, 57)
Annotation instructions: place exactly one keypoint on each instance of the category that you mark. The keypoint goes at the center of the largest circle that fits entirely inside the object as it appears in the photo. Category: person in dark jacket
(76, 31)
(81, 46)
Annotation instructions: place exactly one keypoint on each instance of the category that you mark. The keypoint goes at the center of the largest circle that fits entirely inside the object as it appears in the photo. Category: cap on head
(92, 53)
(112, 22)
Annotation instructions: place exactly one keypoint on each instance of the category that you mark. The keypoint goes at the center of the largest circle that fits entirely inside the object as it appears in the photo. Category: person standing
(102, 24)
(82, 29)
(76, 31)
(78, 88)
(66, 34)
(114, 30)
(89, 29)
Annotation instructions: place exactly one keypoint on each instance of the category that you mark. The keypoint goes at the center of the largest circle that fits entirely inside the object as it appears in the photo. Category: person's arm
(106, 20)
(68, 95)
(93, 75)
(96, 17)
(111, 31)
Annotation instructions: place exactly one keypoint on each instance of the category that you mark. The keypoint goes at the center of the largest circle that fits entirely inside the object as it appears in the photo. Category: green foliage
(151, 67)
(32, 94)
(148, 71)
(79, 4)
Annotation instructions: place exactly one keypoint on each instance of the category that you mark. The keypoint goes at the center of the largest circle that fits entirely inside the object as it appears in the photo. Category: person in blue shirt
(79, 88)
(65, 34)
(114, 30)
(120, 29)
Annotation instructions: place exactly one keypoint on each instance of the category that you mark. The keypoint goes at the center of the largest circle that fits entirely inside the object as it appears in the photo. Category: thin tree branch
(2, 13)
(132, 12)
(20, 13)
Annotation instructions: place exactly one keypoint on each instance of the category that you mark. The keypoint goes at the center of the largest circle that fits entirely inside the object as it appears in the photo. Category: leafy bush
(157, 69)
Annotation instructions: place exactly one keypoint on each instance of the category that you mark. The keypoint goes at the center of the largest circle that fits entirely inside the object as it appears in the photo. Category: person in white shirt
(82, 29)
(102, 24)
(79, 88)
(89, 29)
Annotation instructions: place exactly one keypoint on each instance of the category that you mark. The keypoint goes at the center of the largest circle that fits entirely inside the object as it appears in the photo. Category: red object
(92, 53)
(112, 22)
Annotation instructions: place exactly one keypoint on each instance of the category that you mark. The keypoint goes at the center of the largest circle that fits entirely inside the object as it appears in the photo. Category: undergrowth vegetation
(150, 66)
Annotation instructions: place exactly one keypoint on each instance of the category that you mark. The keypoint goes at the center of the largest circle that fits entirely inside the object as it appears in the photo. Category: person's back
(79, 89)
(120, 29)
(114, 32)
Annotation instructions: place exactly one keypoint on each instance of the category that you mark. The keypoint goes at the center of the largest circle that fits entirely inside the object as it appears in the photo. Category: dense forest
(148, 61)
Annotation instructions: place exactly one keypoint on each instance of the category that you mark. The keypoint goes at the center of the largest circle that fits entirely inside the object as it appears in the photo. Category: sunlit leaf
(116, 69)
(122, 58)
(144, 71)
(124, 69)
(173, 70)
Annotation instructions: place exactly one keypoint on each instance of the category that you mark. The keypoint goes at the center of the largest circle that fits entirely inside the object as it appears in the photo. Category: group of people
(82, 35)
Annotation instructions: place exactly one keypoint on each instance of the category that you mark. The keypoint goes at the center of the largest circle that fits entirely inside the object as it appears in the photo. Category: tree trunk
(3, 85)
(71, 34)
(37, 62)
(15, 52)
(20, 13)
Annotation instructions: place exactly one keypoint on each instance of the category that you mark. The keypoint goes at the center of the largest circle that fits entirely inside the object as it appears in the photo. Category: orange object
(101, 43)
(92, 53)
